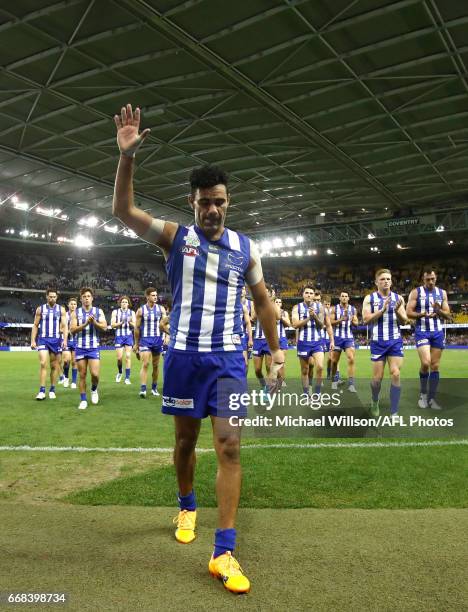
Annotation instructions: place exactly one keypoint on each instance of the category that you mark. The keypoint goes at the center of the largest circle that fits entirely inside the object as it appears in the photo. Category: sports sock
(305, 389)
(336, 378)
(119, 366)
(62, 377)
(127, 372)
(225, 540)
(41, 389)
(317, 389)
(143, 388)
(154, 386)
(433, 384)
(262, 381)
(187, 502)
(375, 388)
(395, 393)
(83, 397)
(52, 388)
(423, 378)
(74, 374)
(66, 369)
(350, 381)
(93, 387)
(328, 370)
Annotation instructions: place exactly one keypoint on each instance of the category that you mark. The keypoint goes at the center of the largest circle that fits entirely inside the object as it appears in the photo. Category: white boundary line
(160, 449)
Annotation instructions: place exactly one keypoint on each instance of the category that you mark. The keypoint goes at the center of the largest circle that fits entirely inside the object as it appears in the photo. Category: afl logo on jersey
(190, 251)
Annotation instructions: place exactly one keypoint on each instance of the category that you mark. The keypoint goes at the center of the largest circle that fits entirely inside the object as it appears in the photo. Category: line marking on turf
(160, 449)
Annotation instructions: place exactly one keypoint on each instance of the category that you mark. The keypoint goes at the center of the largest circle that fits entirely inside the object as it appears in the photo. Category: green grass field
(122, 504)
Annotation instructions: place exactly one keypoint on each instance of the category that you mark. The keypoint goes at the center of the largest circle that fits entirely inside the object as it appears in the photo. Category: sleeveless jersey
(280, 328)
(89, 336)
(126, 317)
(49, 326)
(150, 318)
(206, 279)
(386, 327)
(343, 329)
(310, 332)
(425, 303)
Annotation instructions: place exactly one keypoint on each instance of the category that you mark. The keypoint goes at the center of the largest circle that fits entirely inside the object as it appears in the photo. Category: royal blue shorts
(71, 346)
(382, 349)
(341, 344)
(153, 344)
(283, 342)
(121, 341)
(87, 353)
(305, 349)
(53, 345)
(260, 347)
(434, 339)
(201, 384)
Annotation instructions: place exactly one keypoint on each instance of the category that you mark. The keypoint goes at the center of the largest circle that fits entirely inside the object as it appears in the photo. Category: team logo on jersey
(192, 240)
(190, 251)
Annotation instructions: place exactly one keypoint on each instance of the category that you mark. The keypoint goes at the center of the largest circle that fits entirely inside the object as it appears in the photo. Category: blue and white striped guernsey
(89, 336)
(49, 326)
(126, 317)
(70, 335)
(206, 279)
(425, 303)
(343, 329)
(310, 332)
(386, 327)
(150, 318)
(280, 327)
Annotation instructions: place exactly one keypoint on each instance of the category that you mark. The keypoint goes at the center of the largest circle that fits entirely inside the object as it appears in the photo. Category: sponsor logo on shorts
(376, 356)
(422, 341)
(302, 352)
(177, 402)
(236, 339)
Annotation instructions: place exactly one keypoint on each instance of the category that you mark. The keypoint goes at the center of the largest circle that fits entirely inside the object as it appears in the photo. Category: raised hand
(128, 126)
(386, 303)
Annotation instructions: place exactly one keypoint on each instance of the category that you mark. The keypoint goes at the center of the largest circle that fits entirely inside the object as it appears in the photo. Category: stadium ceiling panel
(355, 109)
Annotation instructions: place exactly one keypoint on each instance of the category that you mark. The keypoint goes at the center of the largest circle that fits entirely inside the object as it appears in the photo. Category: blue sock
(66, 369)
(317, 388)
(41, 389)
(350, 381)
(433, 384)
(154, 386)
(225, 540)
(52, 388)
(336, 378)
(93, 387)
(143, 388)
(74, 375)
(127, 372)
(119, 367)
(375, 388)
(395, 393)
(311, 380)
(187, 502)
(423, 378)
(338, 374)
(62, 377)
(83, 397)
(305, 389)
(262, 381)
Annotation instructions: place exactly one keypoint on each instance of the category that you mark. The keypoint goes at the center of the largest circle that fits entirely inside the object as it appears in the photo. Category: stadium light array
(14, 199)
(90, 221)
(21, 205)
(300, 239)
(330, 252)
(371, 236)
(63, 239)
(299, 253)
(83, 242)
(289, 242)
(440, 228)
(277, 243)
(112, 229)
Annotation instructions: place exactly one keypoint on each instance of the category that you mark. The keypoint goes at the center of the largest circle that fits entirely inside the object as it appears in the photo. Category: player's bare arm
(164, 324)
(285, 318)
(248, 325)
(443, 310)
(129, 139)
(100, 323)
(329, 328)
(400, 311)
(297, 323)
(35, 327)
(367, 315)
(74, 327)
(64, 327)
(355, 320)
(114, 322)
(411, 307)
(136, 338)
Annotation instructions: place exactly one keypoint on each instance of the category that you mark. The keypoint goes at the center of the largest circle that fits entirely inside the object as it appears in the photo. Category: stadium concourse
(341, 127)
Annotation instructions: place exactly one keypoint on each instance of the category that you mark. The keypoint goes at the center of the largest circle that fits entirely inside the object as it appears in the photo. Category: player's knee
(258, 372)
(351, 361)
(395, 372)
(229, 448)
(185, 443)
(305, 371)
(319, 370)
(425, 364)
(435, 366)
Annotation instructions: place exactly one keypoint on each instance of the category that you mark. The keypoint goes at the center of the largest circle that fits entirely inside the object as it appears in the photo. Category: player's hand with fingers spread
(128, 127)
(386, 303)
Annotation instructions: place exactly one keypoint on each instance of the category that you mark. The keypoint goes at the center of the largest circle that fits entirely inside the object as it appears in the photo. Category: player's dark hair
(84, 290)
(149, 290)
(347, 292)
(73, 299)
(51, 290)
(125, 297)
(308, 286)
(428, 270)
(208, 176)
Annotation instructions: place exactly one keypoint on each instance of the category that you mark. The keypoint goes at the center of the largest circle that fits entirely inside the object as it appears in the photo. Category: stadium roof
(353, 108)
